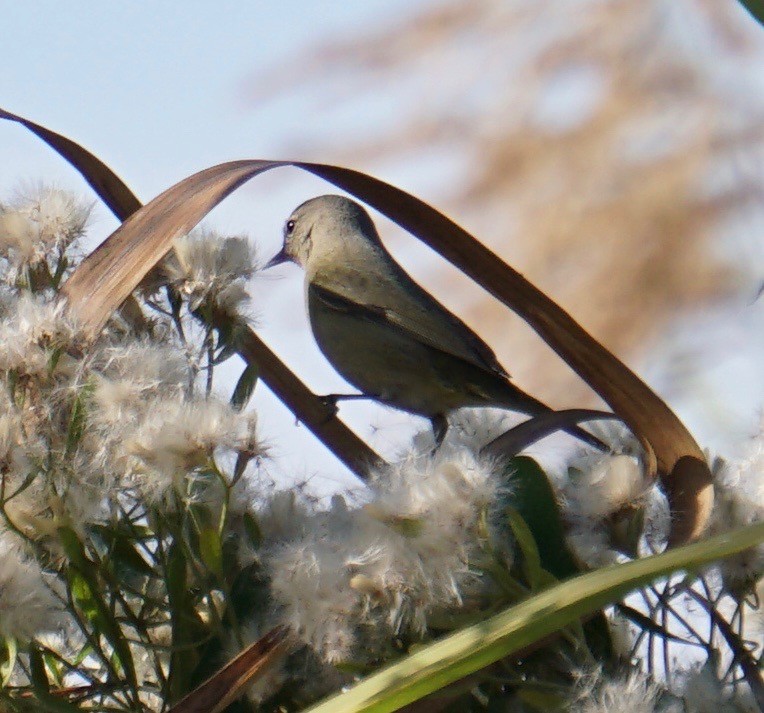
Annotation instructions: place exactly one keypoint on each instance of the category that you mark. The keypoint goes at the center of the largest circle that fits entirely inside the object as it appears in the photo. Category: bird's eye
(289, 229)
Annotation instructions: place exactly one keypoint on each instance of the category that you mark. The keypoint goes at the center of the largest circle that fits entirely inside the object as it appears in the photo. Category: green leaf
(122, 553)
(186, 628)
(531, 558)
(541, 700)
(37, 672)
(253, 530)
(405, 526)
(77, 419)
(39, 677)
(84, 600)
(229, 333)
(245, 386)
(84, 652)
(53, 665)
(9, 660)
(63, 263)
(472, 649)
(533, 497)
(211, 550)
(86, 588)
(73, 547)
(53, 359)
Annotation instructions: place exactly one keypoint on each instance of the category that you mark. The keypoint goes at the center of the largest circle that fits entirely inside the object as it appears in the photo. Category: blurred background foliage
(610, 151)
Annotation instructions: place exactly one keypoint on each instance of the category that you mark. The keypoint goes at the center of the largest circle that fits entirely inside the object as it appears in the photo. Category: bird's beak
(279, 258)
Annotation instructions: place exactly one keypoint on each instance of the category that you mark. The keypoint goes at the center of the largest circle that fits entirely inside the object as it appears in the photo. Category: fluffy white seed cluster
(349, 580)
(600, 492)
(207, 267)
(697, 689)
(85, 429)
(37, 225)
(27, 602)
(32, 329)
(739, 501)
(121, 415)
(596, 692)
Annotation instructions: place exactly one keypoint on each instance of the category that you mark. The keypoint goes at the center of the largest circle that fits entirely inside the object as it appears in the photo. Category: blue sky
(158, 91)
(158, 88)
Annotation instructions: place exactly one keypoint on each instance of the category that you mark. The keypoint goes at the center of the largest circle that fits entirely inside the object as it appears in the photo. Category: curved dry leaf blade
(106, 278)
(107, 185)
(689, 485)
(232, 680)
(329, 429)
(519, 437)
(115, 268)
(142, 240)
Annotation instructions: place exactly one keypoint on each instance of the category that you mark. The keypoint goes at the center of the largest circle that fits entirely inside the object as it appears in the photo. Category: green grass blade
(473, 648)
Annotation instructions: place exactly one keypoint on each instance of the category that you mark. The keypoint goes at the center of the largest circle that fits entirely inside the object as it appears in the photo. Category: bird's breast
(383, 362)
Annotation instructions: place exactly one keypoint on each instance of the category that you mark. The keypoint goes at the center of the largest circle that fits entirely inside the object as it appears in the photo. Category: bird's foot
(331, 401)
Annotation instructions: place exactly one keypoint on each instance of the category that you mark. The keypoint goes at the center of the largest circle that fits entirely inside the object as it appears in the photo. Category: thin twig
(748, 665)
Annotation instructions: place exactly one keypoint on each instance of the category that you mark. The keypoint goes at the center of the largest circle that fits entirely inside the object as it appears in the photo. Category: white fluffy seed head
(39, 225)
(31, 330)
(596, 692)
(27, 605)
(205, 266)
(174, 437)
(604, 485)
(348, 580)
(739, 501)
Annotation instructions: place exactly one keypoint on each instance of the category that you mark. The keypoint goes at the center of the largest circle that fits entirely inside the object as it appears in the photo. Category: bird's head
(325, 229)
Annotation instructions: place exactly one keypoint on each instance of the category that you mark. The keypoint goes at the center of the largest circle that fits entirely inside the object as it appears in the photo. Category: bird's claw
(329, 401)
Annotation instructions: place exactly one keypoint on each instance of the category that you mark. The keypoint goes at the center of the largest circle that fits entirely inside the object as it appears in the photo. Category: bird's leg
(439, 429)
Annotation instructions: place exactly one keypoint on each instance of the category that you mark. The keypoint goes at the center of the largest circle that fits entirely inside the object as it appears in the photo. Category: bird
(383, 333)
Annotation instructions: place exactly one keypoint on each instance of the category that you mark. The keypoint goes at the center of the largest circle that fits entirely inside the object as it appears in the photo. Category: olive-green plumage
(380, 330)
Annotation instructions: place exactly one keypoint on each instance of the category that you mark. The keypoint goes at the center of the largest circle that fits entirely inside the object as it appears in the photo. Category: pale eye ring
(289, 229)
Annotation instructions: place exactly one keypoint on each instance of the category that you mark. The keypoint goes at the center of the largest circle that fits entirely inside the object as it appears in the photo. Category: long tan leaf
(109, 275)
(112, 271)
(309, 409)
(110, 188)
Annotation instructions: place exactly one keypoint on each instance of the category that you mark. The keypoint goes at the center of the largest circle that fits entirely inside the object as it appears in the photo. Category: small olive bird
(381, 331)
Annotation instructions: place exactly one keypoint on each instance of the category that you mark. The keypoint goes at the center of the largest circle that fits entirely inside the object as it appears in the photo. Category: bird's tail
(518, 400)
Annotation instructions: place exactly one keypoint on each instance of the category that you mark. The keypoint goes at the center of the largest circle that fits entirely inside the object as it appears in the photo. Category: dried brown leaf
(107, 185)
(308, 408)
(519, 437)
(228, 684)
(108, 276)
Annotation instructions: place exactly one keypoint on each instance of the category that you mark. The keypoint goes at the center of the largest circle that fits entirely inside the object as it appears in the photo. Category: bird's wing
(425, 320)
